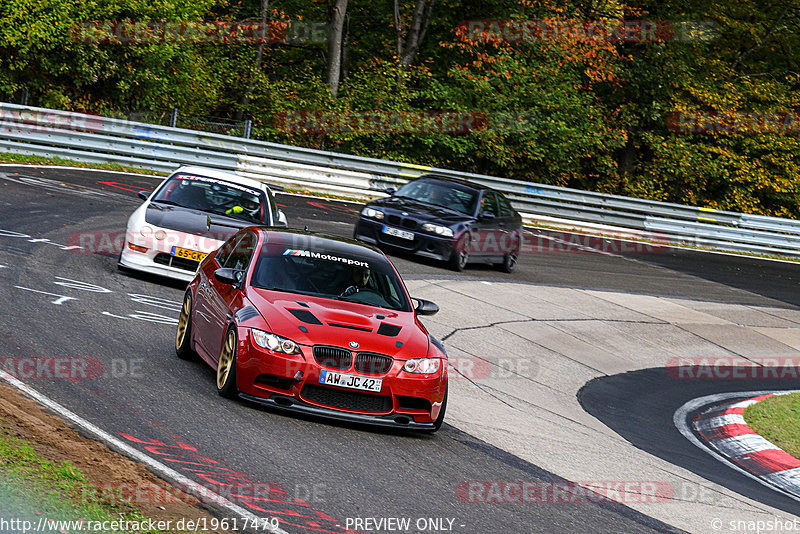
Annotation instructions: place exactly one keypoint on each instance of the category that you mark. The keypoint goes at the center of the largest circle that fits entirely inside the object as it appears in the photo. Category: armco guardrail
(90, 138)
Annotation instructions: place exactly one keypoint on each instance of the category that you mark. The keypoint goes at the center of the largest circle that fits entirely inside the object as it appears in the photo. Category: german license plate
(330, 378)
(402, 234)
(193, 255)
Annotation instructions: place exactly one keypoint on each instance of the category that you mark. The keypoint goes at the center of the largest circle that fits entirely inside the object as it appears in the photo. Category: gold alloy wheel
(183, 322)
(226, 359)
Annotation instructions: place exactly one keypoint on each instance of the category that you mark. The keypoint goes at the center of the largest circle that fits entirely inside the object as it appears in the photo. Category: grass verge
(23, 159)
(32, 488)
(778, 420)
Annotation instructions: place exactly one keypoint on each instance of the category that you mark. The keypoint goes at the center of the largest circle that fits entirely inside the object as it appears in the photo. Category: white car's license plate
(187, 254)
(330, 378)
(397, 232)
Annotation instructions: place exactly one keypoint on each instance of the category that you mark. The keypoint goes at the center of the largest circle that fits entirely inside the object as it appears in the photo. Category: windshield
(320, 274)
(444, 194)
(214, 196)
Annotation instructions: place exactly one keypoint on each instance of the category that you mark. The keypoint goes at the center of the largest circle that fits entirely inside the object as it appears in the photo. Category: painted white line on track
(177, 479)
(59, 301)
(682, 413)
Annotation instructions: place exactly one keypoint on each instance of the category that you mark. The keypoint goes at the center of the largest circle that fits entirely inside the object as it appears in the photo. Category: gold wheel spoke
(183, 322)
(226, 360)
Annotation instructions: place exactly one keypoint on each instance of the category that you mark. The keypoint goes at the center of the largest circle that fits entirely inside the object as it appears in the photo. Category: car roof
(222, 175)
(458, 181)
(465, 183)
(326, 243)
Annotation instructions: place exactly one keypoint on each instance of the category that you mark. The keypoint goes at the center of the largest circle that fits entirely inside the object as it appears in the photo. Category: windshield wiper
(169, 202)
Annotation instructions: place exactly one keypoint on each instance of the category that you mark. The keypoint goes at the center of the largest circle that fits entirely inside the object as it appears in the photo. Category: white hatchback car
(191, 214)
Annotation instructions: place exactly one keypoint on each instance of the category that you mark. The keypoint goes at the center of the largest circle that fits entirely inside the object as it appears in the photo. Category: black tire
(226, 366)
(509, 263)
(437, 424)
(459, 257)
(183, 336)
(121, 267)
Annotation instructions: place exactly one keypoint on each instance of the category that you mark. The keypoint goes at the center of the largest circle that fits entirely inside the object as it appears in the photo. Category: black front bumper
(292, 404)
(423, 244)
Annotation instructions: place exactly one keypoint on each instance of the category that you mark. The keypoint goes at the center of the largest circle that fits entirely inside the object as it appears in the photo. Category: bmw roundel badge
(353, 345)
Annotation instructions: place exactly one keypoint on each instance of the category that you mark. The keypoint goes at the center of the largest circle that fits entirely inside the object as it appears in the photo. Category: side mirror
(426, 307)
(144, 195)
(229, 276)
(487, 216)
(282, 219)
(390, 191)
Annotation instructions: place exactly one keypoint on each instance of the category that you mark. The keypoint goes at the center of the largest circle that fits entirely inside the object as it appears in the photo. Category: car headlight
(423, 366)
(372, 213)
(275, 343)
(438, 229)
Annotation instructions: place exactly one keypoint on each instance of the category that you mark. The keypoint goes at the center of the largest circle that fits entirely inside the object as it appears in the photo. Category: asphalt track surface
(342, 471)
(640, 405)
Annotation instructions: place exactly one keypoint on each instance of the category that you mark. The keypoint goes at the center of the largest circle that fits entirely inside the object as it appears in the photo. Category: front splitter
(291, 404)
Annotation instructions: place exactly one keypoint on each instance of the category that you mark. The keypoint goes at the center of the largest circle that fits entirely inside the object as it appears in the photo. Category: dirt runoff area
(114, 474)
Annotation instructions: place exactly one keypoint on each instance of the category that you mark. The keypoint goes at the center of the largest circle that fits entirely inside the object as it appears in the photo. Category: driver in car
(247, 205)
(359, 278)
(437, 196)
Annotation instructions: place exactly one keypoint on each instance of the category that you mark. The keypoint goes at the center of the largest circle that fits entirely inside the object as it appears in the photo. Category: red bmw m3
(315, 324)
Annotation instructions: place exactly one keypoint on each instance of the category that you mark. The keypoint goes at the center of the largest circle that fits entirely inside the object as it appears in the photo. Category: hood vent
(350, 327)
(389, 330)
(305, 316)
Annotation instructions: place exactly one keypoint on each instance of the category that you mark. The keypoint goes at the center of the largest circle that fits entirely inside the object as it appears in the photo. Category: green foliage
(568, 111)
(32, 487)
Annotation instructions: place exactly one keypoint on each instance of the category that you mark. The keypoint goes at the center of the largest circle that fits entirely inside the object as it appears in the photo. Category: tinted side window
(488, 203)
(504, 206)
(226, 248)
(240, 257)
